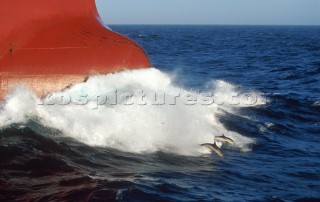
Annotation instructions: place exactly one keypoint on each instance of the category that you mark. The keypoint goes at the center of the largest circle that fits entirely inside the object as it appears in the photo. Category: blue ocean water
(282, 163)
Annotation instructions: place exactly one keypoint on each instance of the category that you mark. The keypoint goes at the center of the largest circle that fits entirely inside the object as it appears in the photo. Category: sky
(221, 12)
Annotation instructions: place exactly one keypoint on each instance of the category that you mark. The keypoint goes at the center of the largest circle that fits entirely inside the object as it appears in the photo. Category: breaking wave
(140, 111)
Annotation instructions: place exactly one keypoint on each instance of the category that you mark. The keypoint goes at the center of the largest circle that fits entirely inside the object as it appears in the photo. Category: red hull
(50, 44)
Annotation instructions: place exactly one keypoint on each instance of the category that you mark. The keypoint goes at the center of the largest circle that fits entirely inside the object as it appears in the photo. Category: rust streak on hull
(41, 85)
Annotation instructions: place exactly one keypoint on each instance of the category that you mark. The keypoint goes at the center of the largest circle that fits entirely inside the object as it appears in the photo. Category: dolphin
(213, 147)
(223, 138)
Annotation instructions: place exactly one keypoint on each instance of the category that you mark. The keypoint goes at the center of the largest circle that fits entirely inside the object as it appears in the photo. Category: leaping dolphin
(213, 147)
(223, 138)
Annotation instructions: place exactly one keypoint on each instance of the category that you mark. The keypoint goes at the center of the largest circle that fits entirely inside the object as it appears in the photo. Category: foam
(316, 104)
(133, 124)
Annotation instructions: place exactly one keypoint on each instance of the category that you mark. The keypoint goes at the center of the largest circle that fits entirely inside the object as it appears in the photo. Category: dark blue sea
(152, 153)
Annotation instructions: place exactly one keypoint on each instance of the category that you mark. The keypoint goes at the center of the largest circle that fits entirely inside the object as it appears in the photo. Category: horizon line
(314, 25)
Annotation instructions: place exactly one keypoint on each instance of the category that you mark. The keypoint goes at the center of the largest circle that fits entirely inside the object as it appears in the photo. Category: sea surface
(264, 82)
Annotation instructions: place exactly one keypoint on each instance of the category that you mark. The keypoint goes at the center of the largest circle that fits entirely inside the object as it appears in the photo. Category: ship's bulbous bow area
(51, 44)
